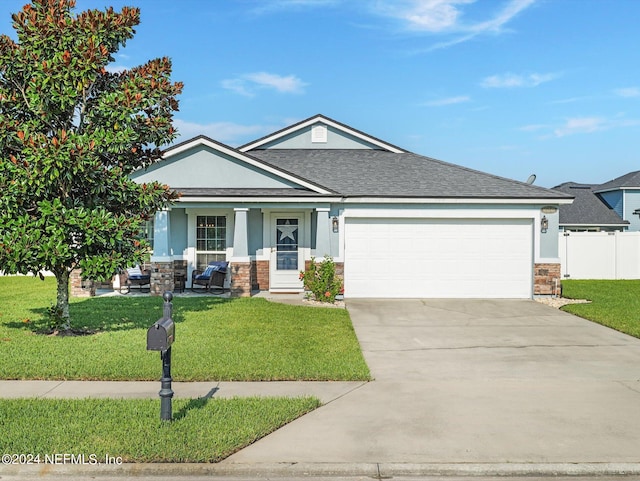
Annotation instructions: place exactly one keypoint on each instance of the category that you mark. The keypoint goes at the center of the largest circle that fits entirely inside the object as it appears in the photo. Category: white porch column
(240, 236)
(161, 237)
(323, 226)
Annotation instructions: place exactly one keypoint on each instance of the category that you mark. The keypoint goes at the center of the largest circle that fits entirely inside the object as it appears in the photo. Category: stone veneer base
(546, 280)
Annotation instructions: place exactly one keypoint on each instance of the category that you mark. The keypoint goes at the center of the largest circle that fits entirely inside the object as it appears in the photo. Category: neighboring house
(622, 194)
(398, 225)
(589, 212)
(614, 205)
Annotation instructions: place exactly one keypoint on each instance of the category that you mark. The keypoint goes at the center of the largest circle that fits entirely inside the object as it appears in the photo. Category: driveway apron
(474, 381)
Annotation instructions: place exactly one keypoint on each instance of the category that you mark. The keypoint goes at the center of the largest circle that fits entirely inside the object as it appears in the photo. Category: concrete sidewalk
(326, 391)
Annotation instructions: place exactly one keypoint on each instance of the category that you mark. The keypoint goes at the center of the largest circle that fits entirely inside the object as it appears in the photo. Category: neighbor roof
(377, 173)
(627, 181)
(588, 209)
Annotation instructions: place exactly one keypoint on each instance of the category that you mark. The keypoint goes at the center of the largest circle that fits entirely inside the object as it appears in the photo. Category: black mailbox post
(160, 337)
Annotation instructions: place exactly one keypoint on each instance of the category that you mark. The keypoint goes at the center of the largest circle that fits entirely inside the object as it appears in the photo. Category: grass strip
(615, 303)
(245, 339)
(203, 430)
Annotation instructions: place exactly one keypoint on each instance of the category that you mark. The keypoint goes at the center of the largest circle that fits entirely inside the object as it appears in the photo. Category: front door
(286, 256)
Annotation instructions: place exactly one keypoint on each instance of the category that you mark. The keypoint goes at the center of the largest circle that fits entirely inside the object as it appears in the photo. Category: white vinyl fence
(599, 255)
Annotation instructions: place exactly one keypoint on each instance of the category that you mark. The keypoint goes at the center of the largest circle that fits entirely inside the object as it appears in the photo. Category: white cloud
(510, 80)
(628, 92)
(427, 15)
(447, 17)
(448, 101)
(582, 125)
(511, 9)
(225, 132)
(288, 84)
(247, 84)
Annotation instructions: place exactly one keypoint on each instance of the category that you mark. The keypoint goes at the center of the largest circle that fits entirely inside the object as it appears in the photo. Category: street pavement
(462, 388)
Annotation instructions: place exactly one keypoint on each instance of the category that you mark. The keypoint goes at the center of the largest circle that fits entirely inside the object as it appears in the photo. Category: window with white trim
(211, 239)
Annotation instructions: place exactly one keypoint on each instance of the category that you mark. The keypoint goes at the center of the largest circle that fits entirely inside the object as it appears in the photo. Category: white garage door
(445, 258)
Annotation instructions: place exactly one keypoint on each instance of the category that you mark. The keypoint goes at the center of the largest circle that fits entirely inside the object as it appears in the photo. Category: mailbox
(161, 335)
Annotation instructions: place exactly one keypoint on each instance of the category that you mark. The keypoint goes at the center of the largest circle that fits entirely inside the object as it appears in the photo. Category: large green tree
(70, 134)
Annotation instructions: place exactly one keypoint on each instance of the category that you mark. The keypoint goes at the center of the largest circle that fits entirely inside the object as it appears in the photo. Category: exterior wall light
(335, 226)
(544, 224)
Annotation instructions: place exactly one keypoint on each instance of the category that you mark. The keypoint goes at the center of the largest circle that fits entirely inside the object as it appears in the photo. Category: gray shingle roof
(376, 173)
(632, 179)
(588, 208)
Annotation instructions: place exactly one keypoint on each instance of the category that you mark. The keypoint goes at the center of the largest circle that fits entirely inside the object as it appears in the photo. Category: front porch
(266, 248)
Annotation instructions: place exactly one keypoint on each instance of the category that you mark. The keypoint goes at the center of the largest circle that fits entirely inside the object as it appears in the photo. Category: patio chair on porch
(211, 278)
(134, 276)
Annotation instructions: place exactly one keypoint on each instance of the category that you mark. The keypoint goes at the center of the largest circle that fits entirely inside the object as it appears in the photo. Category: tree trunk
(62, 298)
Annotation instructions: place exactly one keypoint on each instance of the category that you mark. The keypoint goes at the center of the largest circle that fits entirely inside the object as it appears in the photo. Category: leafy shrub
(321, 280)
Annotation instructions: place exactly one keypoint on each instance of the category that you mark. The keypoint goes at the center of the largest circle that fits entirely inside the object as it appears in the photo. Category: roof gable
(204, 163)
(319, 132)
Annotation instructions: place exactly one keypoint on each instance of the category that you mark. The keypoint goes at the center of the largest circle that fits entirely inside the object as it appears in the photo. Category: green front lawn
(216, 339)
(203, 430)
(615, 304)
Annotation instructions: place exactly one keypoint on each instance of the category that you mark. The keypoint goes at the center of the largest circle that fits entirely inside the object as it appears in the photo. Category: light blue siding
(336, 139)
(549, 239)
(255, 231)
(178, 239)
(631, 203)
(205, 167)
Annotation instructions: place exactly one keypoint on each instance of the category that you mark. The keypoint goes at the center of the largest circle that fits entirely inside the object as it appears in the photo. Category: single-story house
(397, 224)
(589, 211)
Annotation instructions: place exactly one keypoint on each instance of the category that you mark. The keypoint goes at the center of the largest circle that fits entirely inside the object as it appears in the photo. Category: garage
(438, 258)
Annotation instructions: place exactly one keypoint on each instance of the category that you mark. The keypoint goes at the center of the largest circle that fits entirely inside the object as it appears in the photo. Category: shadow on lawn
(99, 314)
(197, 403)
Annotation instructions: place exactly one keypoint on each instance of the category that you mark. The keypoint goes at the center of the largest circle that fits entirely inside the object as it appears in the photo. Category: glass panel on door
(287, 244)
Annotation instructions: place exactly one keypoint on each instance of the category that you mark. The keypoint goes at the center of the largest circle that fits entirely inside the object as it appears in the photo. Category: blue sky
(510, 87)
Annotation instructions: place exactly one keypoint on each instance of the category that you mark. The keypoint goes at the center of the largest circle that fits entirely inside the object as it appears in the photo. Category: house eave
(258, 199)
(613, 189)
(455, 200)
(368, 200)
(575, 224)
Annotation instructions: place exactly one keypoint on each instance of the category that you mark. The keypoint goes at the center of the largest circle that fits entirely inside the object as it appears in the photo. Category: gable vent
(319, 134)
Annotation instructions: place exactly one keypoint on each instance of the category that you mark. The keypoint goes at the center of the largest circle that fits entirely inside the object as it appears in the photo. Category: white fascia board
(548, 260)
(569, 224)
(256, 200)
(326, 121)
(613, 189)
(443, 200)
(245, 158)
(427, 213)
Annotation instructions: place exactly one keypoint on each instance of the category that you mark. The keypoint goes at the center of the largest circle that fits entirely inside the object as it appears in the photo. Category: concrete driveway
(474, 381)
